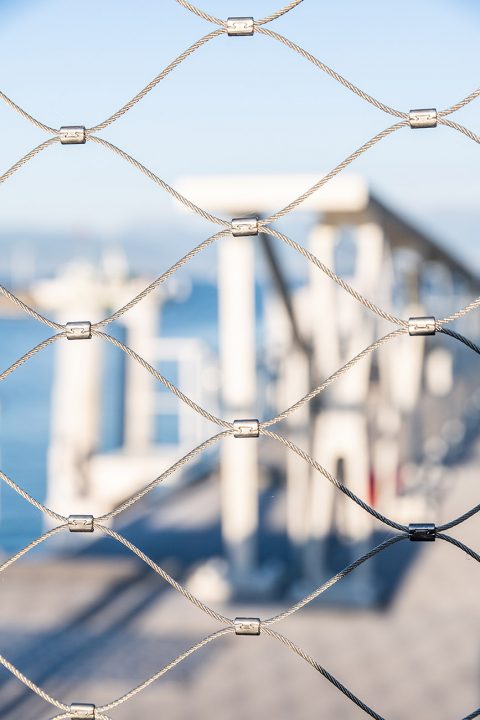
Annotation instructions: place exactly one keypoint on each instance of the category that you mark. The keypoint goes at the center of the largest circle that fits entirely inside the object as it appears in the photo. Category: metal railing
(84, 330)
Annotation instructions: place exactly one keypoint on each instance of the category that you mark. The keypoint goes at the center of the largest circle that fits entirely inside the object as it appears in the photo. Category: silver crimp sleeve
(80, 523)
(422, 326)
(82, 711)
(246, 428)
(247, 626)
(242, 227)
(240, 26)
(79, 330)
(423, 118)
(73, 135)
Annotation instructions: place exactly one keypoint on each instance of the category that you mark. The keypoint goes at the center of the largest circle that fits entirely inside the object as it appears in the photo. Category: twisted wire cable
(161, 279)
(176, 391)
(26, 115)
(163, 574)
(335, 376)
(461, 338)
(158, 376)
(316, 666)
(26, 158)
(278, 13)
(193, 453)
(332, 479)
(441, 115)
(184, 398)
(459, 314)
(459, 520)
(336, 278)
(30, 311)
(100, 711)
(223, 23)
(38, 541)
(170, 471)
(333, 580)
(156, 80)
(466, 341)
(210, 217)
(129, 501)
(474, 714)
(30, 354)
(229, 629)
(201, 13)
(32, 686)
(158, 181)
(461, 546)
(332, 73)
(461, 104)
(333, 173)
(183, 656)
(128, 306)
(26, 496)
(125, 108)
(460, 128)
(227, 426)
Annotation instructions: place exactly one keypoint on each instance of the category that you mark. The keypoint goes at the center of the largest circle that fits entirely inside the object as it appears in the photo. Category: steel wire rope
(327, 675)
(163, 574)
(265, 424)
(223, 23)
(30, 354)
(333, 580)
(161, 279)
(332, 479)
(26, 158)
(167, 668)
(461, 338)
(158, 376)
(403, 327)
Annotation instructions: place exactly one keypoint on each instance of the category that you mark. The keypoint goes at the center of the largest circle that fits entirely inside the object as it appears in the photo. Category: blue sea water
(25, 402)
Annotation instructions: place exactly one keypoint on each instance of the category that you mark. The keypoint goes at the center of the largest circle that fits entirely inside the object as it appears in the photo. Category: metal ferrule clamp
(82, 711)
(247, 626)
(79, 330)
(422, 532)
(73, 135)
(240, 26)
(246, 428)
(421, 326)
(80, 523)
(243, 227)
(423, 118)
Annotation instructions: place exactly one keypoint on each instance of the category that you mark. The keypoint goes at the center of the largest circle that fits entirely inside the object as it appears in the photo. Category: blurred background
(245, 329)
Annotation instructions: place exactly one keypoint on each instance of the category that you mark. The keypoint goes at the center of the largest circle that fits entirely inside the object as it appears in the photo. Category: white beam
(236, 195)
(239, 457)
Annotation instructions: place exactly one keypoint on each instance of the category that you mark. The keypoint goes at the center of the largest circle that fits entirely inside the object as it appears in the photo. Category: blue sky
(76, 67)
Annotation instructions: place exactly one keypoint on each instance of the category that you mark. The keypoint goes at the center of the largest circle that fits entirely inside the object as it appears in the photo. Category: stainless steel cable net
(424, 118)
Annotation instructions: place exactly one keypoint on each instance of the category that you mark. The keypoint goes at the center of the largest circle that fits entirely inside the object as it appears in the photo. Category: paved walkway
(90, 630)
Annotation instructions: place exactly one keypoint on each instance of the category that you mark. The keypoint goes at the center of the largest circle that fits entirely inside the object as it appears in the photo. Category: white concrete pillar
(81, 292)
(75, 422)
(141, 323)
(326, 351)
(341, 435)
(75, 418)
(340, 331)
(239, 457)
(296, 381)
(401, 366)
